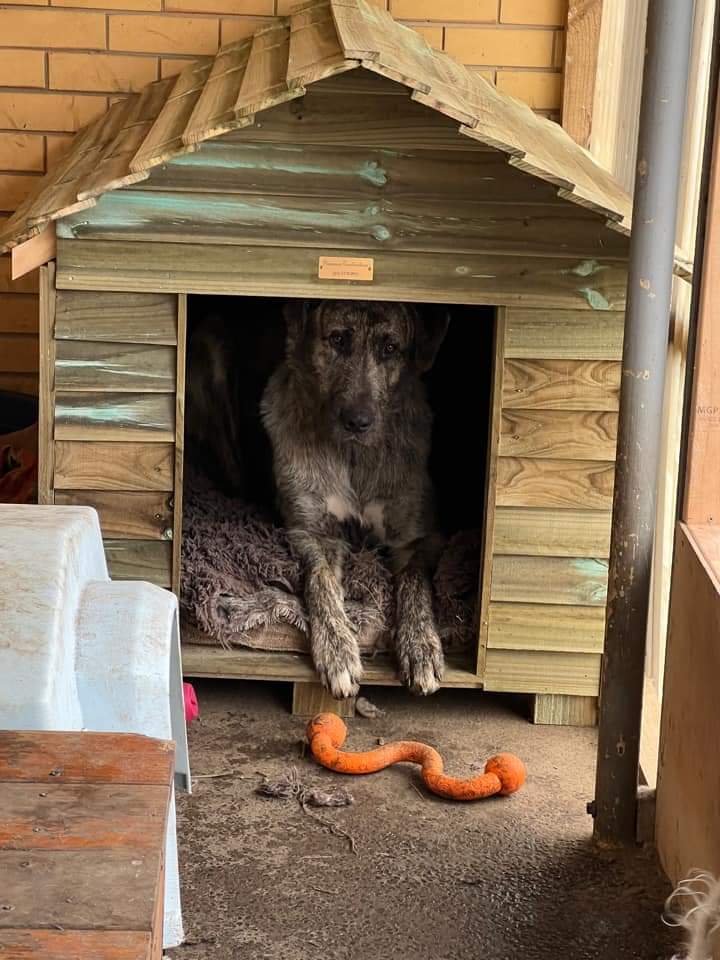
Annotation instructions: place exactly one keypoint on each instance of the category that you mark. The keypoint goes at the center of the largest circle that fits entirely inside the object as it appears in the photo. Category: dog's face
(357, 356)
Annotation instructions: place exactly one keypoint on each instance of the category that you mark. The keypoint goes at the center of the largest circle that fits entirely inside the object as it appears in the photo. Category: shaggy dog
(349, 427)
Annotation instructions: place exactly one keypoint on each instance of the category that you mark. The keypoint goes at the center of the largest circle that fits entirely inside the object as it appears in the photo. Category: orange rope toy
(504, 773)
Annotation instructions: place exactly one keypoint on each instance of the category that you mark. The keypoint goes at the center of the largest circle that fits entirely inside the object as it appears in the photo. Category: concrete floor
(505, 879)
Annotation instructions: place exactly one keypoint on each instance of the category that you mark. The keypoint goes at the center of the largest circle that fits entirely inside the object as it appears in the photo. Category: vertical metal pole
(662, 111)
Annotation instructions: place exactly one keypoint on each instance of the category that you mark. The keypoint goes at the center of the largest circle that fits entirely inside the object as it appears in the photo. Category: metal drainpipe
(662, 111)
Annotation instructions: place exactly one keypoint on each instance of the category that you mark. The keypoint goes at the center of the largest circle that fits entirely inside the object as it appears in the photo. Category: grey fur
(358, 363)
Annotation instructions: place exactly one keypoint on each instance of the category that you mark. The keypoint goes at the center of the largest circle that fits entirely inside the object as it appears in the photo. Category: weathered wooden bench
(82, 837)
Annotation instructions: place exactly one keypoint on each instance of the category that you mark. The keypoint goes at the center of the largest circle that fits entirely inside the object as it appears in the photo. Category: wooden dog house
(335, 154)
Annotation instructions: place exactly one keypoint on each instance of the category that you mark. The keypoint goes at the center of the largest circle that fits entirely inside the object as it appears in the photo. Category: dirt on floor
(513, 878)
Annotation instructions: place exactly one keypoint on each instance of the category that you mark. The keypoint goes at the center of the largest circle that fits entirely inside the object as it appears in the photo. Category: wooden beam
(33, 253)
(702, 491)
(581, 57)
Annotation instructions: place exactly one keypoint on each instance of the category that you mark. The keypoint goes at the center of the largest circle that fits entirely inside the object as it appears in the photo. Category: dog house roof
(224, 93)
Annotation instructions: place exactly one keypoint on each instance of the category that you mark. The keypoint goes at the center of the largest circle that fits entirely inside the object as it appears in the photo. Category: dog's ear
(431, 325)
(297, 315)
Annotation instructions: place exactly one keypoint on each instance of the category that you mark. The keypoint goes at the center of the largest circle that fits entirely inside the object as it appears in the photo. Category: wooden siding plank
(562, 334)
(149, 560)
(116, 317)
(125, 516)
(558, 433)
(578, 581)
(528, 531)
(90, 366)
(346, 222)
(516, 671)
(527, 482)
(309, 170)
(46, 385)
(561, 384)
(444, 278)
(545, 626)
(115, 416)
(181, 364)
(488, 533)
(113, 466)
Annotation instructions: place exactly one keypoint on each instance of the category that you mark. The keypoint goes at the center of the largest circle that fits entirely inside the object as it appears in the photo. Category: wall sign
(345, 268)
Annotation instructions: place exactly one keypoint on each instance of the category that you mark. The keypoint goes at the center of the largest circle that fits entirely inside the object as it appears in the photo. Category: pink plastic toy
(192, 710)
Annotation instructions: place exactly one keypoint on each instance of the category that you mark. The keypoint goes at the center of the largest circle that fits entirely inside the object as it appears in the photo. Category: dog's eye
(337, 339)
(389, 348)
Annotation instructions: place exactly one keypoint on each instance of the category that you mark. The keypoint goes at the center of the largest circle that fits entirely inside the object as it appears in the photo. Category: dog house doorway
(241, 590)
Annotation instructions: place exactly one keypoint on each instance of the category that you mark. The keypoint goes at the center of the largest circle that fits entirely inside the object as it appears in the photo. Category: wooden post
(581, 57)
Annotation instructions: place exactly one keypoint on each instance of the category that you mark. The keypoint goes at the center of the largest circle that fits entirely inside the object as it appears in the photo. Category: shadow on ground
(503, 879)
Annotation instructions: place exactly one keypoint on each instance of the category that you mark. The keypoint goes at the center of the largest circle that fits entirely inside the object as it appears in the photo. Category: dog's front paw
(421, 660)
(337, 661)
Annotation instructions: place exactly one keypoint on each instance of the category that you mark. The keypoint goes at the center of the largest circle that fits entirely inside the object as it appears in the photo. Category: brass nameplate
(345, 268)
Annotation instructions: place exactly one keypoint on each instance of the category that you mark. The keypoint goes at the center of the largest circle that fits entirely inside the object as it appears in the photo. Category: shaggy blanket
(242, 585)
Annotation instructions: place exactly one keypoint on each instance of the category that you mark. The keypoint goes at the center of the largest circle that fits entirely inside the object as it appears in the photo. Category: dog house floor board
(241, 664)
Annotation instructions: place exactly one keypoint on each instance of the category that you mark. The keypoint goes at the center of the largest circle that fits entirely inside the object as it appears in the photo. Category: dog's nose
(356, 419)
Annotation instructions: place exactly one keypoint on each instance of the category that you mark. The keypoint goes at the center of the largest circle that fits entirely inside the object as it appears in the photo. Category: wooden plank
(578, 581)
(687, 812)
(574, 435)
(73, 944)
(347, 222)
(26, 284)
(113, 466)
(33, 253)
(444, 278)
(315, 50)
(81, 365)
(515, 671)
(264, 81)
(561, 384)
(526, 482)
(702, 497)
(46, 400)
(81, 816)
(309, 170)
(115, 885)
(115, 416)
(548, 532)
(149, 560)
(536, 626)
(565, 710)
(179, 441)
(204, 660)
(52, 757)
(116, 317)
(214, 112)
(565, 334)
(488, 534)
(18, 353)
(18, 313)
(582, 40)
(618, 85)
(165, 136)
(309, 699)
(125, 516)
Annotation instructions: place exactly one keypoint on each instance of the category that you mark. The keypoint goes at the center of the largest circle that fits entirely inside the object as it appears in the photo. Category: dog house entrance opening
(340, 397)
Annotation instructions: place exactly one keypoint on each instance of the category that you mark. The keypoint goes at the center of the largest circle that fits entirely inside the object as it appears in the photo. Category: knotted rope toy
(504, 773)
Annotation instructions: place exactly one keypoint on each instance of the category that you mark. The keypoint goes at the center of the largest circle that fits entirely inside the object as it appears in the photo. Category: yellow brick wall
(63, 61)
